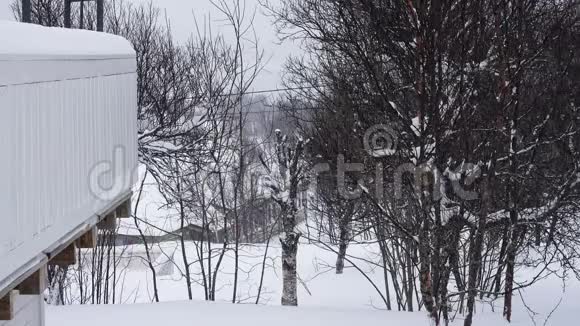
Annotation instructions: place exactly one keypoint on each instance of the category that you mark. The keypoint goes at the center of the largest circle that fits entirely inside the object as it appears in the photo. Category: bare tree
(284, 184)
(458, 83)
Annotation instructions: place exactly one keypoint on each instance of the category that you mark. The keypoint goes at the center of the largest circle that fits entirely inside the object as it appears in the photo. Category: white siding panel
(55, 133)
(28, 311)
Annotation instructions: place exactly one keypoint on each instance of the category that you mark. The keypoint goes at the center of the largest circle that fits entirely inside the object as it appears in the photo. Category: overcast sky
(181, 15)
(5, 12)
(182, 12)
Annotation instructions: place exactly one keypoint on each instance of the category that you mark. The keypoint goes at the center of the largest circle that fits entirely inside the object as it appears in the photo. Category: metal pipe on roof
(26, 11)
(100, 13)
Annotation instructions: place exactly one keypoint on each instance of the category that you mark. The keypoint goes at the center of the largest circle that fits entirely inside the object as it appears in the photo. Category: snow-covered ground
(218, 314)
(324, 297)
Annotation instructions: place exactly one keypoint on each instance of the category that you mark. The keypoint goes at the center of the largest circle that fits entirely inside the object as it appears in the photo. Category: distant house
(133, 239)
(194, 232)
(191, 232)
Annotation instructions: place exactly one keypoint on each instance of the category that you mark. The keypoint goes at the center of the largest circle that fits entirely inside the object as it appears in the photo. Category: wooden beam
(35, 284)
(108, 223)
(7, 306)
(124, 210)
(88, 240)
(67, 257)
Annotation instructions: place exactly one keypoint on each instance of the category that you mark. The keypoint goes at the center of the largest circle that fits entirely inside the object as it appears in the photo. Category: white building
(68, 152)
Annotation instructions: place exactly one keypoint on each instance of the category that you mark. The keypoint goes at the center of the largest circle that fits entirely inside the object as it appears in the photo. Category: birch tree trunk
(286, 194)
(289, 276)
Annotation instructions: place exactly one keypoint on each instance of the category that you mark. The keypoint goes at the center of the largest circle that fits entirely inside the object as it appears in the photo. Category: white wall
(28, 311)
(68, 131)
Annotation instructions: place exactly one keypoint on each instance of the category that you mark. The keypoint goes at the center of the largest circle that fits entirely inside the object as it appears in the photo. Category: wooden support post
(88, 240)
(7, 306)
(35, 284)
(65, 258)
(108, 223)
(124, 210)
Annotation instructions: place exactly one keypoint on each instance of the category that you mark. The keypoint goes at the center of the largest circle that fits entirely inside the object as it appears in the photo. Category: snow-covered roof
(31, 54)
(22, 41)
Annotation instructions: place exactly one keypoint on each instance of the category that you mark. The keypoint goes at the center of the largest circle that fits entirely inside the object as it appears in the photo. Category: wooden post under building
(35, 284)
(7, 306)
(66, 257)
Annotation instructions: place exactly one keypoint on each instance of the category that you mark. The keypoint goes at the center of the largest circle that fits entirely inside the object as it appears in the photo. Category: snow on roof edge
(21, 41)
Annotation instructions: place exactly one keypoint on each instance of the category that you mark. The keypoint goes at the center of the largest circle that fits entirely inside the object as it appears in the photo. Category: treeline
(451, 131)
